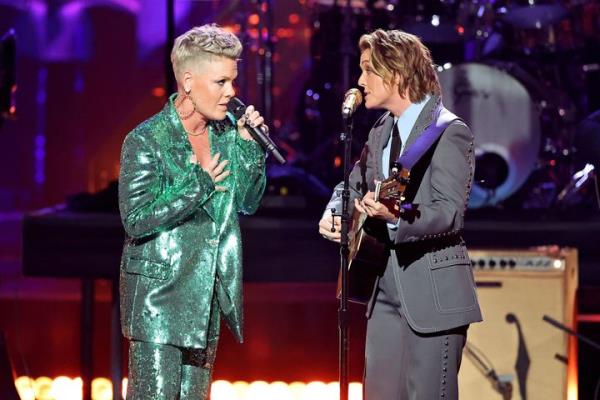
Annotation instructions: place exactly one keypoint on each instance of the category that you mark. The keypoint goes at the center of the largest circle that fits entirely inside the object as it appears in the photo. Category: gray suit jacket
(434, 279)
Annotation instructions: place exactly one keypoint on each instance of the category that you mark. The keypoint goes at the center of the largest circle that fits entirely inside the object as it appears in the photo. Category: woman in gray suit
(423, 303)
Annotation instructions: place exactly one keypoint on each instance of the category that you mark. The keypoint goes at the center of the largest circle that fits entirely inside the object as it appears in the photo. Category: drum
(540, 27)
(501, 109)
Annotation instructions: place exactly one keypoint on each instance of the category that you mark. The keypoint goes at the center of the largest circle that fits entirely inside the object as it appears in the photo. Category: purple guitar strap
(424, 142)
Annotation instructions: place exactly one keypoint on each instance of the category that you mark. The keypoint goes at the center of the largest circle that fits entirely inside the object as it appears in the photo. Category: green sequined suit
(182, 251)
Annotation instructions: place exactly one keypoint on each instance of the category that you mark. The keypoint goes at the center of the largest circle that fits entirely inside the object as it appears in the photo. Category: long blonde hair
(397, 53)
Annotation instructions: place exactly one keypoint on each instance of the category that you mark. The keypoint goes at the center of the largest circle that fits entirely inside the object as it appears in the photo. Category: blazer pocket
(453, 287)
(151, 269)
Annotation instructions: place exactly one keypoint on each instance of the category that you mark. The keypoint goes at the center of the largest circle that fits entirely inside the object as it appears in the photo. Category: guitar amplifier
(514, 353)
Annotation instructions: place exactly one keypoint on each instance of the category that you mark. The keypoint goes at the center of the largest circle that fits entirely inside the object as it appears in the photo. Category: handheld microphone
(352, 99)
(238, 108)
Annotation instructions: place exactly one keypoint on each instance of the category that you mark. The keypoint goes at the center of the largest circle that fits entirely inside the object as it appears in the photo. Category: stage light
(101, 389)
(258, 390)
(315, 391)
(296, 390)
(65, 388)
(158, 91)
(333, 390)
(124, 387)
(239, 389)
(280, 390)
(25, 388)
(253, 19)
(355, 391)
(43, 388)
(222, 390)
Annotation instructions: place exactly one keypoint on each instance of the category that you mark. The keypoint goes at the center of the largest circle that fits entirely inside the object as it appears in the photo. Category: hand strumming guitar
(375, 209)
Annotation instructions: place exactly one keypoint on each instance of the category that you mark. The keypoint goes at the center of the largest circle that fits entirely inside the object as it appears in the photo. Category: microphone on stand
(238, 108)
(352, 99)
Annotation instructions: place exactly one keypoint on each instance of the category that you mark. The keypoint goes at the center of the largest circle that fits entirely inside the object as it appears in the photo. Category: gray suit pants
(402, 364)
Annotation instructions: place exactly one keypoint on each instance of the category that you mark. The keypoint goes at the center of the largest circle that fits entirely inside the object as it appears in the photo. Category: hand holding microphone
(251, 118)
(254, 124)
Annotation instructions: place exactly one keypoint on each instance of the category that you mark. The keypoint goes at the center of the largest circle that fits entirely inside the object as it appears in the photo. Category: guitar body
(368, 249)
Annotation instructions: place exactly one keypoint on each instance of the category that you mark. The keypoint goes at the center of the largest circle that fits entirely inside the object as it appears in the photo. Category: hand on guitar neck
(330, 226)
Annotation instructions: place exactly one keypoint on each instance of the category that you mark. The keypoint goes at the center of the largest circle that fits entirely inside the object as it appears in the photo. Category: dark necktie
(396, 145)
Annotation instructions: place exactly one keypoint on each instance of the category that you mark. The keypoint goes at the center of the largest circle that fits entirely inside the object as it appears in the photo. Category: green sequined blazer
(183, 241)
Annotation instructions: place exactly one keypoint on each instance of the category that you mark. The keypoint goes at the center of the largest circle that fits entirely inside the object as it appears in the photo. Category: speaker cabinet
(514, 353)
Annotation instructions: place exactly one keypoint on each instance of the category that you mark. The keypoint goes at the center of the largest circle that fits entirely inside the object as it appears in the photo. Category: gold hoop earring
(186, 97)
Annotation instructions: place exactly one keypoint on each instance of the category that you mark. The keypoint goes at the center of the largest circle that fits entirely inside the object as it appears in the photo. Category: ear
(187, 81)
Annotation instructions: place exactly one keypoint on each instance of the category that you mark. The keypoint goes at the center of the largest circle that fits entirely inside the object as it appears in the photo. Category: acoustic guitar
(367, 239)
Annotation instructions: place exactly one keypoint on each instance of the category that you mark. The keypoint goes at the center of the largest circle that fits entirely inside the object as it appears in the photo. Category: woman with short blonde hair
(186, 173)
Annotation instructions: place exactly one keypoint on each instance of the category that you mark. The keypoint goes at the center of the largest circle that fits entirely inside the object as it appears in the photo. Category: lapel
(383, 129)
(172, 138)
(426, 117)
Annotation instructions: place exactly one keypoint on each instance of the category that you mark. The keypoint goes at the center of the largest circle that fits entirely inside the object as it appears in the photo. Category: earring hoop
(178, 107)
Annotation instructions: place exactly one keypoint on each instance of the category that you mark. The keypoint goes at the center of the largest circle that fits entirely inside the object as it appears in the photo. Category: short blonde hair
(395, 52)
(202, 42)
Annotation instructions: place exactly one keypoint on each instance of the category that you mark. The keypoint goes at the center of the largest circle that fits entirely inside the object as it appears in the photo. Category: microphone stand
(346, 138)
(502, 387)
(571, 332)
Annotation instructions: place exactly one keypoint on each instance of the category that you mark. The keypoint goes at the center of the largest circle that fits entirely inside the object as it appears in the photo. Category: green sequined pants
(165, 372)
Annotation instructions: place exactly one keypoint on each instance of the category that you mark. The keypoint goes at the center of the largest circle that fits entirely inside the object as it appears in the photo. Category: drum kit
(519, 72)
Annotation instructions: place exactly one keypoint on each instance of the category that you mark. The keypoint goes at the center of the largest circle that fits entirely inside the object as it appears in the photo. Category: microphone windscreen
(357, 94)
(236, 107)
